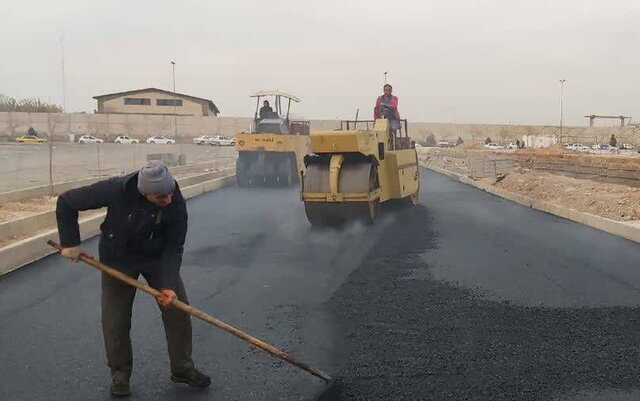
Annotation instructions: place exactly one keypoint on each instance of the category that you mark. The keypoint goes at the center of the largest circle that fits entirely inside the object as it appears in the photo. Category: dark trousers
(117, 303)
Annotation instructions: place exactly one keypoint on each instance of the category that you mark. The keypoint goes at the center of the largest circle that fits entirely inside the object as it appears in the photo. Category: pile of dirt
(614, 201)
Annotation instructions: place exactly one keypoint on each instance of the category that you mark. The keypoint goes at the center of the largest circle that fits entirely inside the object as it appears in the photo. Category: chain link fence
(32, 165)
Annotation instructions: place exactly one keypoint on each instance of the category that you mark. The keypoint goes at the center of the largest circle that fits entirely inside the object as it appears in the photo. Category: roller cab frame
(352, 171)
(272, 154)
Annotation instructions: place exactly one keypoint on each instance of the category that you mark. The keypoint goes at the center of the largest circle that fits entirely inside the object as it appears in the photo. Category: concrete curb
(34, 248)
(610, 226)
(60, 187)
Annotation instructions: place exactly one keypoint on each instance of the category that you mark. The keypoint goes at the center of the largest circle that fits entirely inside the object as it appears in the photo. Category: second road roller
(350, 172)
(272, 154)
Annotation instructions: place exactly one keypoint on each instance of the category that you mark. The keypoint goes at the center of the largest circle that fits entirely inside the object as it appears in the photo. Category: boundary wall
(141, 126)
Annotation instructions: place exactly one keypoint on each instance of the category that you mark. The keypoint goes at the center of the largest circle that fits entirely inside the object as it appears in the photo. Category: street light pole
(175, 107)
(175, 101)
(562, 81)
(64, 84)
(385, 77)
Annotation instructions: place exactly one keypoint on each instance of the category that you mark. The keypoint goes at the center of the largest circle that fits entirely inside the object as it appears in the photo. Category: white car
(89, 139)
(512, 145)
(493, 146)
(159, 139)
(203, 140)
(125, 139)
(220, 140)
(576, 146)
(626, 146)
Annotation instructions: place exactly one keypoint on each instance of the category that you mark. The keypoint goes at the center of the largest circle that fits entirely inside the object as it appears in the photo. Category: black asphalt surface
(465, 297)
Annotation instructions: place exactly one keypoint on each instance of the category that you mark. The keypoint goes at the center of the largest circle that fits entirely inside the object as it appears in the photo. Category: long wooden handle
(200, 315)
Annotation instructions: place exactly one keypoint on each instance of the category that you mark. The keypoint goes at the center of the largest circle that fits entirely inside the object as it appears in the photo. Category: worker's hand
(73, 253)
(167, 297)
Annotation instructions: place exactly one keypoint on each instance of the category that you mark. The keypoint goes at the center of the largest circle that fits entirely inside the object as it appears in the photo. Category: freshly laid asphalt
(464, 297)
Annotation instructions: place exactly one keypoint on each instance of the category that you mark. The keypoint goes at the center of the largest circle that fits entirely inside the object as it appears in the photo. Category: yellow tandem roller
(350, 172)
(272, 153)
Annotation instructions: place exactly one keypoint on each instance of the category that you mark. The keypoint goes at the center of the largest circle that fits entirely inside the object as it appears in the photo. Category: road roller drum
(351, 172)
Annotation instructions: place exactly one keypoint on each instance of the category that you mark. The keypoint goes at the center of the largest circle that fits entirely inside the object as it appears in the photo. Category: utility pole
(64, 86)
(562, 81)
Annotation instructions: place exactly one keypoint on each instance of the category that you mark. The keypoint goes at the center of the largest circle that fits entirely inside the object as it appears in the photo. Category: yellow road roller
(350, 172)
(272, 154)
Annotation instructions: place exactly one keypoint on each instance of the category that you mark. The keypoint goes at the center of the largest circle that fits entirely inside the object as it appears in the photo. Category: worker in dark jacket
(143, 234)
(265, 111)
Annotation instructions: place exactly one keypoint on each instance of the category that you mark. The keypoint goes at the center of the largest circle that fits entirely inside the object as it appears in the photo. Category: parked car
(575, 146)
(626, 146)
(125, 139)
(30, 139)
(159, 139)
(203, 140)
(604, 146)
(512, 145)
(89, 139)
(493, 146)
(220, 140)
(446, 144)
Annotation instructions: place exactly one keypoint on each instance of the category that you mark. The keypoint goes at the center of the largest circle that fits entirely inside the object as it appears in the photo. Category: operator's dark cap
(155, 179)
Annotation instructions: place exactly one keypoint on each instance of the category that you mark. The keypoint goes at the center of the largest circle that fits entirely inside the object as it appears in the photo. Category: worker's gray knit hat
(155, 179)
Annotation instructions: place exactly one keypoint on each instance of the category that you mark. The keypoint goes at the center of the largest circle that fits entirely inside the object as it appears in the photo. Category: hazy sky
(489, 61)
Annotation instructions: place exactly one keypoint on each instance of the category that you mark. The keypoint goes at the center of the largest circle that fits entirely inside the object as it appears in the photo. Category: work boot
(192, 377)
(120, 385)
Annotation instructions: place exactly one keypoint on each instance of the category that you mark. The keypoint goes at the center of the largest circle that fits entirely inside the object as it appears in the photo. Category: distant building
(539, 141)
(155, 101)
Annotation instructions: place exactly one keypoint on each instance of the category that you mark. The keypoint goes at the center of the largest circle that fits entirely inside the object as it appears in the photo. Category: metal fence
(31, 165)
(484, 167)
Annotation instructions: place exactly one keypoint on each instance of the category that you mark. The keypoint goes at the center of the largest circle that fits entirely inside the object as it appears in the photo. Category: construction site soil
(596, 196)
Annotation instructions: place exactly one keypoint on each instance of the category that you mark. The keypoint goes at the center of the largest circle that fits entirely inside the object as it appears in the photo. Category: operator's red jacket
(391, 103)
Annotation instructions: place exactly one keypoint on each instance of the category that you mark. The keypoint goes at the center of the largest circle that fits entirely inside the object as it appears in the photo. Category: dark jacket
(134, 229)
(266, 112)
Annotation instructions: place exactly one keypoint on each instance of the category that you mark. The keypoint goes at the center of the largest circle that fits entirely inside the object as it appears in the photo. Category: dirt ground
(16, 210)
(615, 201)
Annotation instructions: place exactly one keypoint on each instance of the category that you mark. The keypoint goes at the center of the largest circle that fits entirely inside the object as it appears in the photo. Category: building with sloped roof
(155, 101)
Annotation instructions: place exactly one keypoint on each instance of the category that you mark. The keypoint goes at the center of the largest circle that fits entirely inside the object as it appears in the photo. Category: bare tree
(94, 128)
(128, 128)
(32, 105)
(12, 124)
(503, 133)
(475, 132)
